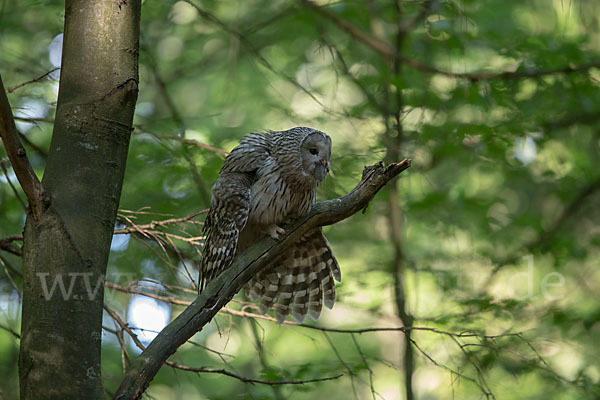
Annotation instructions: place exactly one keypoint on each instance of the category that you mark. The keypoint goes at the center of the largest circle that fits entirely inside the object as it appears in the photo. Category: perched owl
(267, 180)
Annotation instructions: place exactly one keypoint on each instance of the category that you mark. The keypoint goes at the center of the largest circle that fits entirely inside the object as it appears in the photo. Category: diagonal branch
(6, 244)
(244, 267)
(379, 46)
(125, 327)
(16, 154)
(542, 241)
(386, 50)
(39, 78)
(186, 141)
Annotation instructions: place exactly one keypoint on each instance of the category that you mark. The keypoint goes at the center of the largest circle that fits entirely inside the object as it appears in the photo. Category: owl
(268, 180)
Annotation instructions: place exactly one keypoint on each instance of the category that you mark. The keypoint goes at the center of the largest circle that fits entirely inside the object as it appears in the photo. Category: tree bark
(66, 251)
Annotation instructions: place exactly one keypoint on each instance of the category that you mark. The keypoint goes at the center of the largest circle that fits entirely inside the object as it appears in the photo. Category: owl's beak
(321, 173)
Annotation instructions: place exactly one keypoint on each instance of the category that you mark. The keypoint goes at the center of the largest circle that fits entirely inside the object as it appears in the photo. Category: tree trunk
(66, 251)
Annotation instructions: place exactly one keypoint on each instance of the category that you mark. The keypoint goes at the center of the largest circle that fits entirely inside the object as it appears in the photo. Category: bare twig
(11, 268)
(259, 345)
(34, 146)
(132, 290)
(423, 12)
(366, 364)
(12, 282)
(542, 241)
(248, 45)
(187, 141)
(14, 189)
(34, 119)
(249, 380)
(155, 232)
(125, 327)
(339, 357)
(245, 314)
(39, 78)
(379, 46)
(181, 126)
(11, 331)
(246, 265)
(457, 373)
(16, 153)
(155, 224)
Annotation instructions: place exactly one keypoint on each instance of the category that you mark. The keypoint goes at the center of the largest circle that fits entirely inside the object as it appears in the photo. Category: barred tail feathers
(300, 281)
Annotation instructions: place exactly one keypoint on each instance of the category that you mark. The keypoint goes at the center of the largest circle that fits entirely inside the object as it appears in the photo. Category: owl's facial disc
(316, 152)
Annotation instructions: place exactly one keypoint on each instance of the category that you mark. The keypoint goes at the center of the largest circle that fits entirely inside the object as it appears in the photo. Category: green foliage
(212, 71)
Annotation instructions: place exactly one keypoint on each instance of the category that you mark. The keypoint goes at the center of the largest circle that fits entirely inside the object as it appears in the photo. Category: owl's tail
(299, 281)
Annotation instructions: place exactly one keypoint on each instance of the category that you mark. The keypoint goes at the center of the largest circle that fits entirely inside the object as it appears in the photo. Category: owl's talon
(275, 231)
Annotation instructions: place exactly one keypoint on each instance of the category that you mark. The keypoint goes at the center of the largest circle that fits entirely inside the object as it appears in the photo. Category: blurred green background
(492, 232)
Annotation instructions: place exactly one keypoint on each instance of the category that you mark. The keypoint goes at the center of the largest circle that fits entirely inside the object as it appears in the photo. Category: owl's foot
(275, 231)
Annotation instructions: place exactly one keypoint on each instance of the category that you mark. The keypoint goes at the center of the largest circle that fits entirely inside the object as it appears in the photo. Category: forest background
(486, 249)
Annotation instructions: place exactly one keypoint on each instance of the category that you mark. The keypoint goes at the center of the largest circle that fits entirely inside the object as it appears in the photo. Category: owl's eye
(314, 152)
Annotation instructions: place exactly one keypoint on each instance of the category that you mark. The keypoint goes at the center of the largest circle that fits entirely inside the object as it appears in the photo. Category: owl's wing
(249, 155)
(300, 280)
(230, 205)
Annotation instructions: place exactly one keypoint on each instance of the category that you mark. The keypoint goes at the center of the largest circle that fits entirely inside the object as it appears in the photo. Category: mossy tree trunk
(66, 250)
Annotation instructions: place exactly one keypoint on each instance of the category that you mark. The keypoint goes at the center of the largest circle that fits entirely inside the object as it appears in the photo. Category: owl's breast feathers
(275, 196)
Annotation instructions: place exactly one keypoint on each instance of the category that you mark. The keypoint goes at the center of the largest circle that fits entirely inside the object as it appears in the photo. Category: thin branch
(249, 380)
(125, 327)
(248, 45)
(154, 231)
(366, 364)
(388, 52)
(155, 224)
(12, 282)
(129, 289)
(14, 189)
(11, 331)
(34, 119)
(339, 357)
(420, 17)
(346, 71)
(481, 382)
(176, 115)
(245, 314)
(543, 239)
(34, 146)
(246, 265)
(259, 345)
(12, 269)
(17, 155)
(187, 141)
(457, 373)
(39, 78)
(379, 46)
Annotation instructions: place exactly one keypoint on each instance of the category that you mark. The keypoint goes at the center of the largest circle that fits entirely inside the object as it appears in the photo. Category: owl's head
(315, 152)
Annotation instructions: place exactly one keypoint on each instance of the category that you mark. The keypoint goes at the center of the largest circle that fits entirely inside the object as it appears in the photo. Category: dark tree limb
(244, 267)
(18, 158)
(6, 244)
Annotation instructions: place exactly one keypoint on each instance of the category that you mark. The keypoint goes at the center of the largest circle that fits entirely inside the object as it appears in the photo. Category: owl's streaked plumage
(269, 179)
